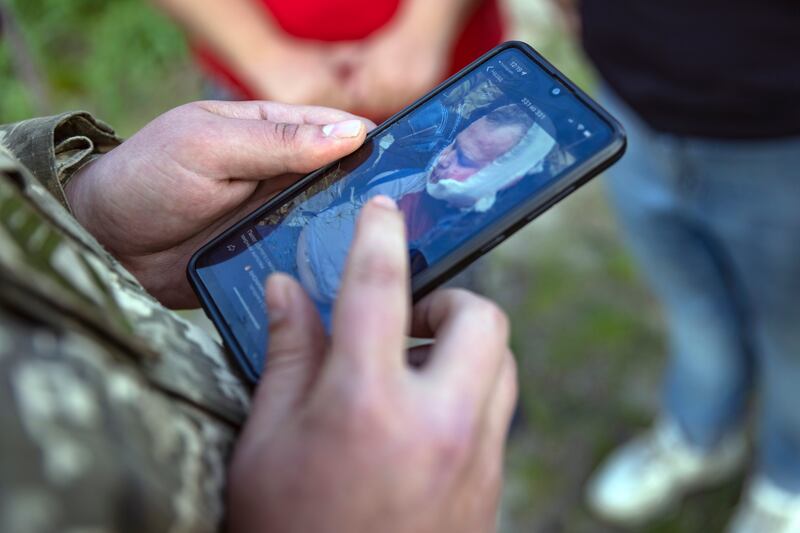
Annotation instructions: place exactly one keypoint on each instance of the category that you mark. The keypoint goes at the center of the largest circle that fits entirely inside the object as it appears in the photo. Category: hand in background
(272, 63)
(395, 67)
(303, 72)
(346, 435)
(159, 196)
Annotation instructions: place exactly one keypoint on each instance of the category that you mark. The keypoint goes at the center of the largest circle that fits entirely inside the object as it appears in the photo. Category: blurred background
(587, 333)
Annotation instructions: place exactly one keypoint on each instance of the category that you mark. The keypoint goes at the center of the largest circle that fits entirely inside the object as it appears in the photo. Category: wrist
(89, 206)
(77, 193)
(80, 191)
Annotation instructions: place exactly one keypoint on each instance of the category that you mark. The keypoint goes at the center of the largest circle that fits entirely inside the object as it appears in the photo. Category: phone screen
(483, 145)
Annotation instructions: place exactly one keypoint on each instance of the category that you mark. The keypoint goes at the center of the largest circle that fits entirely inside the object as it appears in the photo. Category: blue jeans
(715, 226)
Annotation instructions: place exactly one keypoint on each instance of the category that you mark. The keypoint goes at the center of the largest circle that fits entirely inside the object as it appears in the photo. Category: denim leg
(709, 374)
(752, 199)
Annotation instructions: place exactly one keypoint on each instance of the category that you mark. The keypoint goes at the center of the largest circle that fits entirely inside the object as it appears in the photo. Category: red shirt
(343, 20)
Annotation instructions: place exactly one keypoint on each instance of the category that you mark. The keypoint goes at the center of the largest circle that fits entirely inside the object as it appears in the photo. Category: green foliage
(121, 59)
(14, 102)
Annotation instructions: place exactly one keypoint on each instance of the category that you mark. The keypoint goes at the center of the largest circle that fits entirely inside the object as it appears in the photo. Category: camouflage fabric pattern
(116, 414)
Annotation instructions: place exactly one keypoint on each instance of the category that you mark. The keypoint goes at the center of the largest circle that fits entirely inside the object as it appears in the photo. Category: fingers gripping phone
(469, 164)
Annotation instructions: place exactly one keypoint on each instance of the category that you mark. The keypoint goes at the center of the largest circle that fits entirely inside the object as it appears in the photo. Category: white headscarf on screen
(479, 191)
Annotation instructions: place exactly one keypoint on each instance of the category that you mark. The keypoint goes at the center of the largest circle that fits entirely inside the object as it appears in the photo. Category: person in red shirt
(367, 56)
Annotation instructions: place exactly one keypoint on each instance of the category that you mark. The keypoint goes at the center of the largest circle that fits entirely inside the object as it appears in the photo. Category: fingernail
(277, 295)
(384, 202)
(343, 130)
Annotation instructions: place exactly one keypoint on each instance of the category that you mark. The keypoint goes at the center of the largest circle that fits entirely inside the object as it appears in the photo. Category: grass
(588, 336)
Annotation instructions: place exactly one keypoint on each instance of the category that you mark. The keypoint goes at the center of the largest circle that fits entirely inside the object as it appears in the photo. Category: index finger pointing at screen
(372, 310)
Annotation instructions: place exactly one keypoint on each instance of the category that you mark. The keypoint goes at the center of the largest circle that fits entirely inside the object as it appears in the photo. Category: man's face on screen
(454, 170)
(478, 145)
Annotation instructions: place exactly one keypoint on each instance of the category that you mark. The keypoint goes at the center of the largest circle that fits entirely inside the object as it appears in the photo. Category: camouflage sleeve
(89, 446)
(54, 148)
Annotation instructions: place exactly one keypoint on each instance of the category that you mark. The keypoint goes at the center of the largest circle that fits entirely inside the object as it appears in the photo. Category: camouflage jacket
(116, 414)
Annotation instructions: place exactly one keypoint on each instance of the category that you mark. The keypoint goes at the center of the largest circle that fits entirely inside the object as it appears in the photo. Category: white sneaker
(653, 472)
(767, 508)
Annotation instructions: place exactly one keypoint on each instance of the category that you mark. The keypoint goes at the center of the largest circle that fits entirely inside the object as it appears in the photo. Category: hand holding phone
(153, 200)
(346, 436)
(469, 164)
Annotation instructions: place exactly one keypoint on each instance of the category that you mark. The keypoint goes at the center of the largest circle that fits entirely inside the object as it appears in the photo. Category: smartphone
(480, 156)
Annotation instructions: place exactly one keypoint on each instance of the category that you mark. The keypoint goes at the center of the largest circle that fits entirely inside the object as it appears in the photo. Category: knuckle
(190, 107)
(493, 476)
(513, 376)
(452, 446)
(379, 269)
(458, 294)
(362, 405)
(513, 367)
(507, 394)
(364, 410)
(285, 132)
(282, 358)
(494, 319)
(453, 439)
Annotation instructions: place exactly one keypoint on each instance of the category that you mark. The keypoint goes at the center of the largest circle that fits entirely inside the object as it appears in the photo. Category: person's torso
(709, 68)
(346, 20)
(327, 20)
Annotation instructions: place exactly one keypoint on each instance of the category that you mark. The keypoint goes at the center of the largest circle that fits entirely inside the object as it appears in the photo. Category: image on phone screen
(480, 147)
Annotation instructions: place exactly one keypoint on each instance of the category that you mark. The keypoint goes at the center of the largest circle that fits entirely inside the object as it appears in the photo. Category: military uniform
(116, 414)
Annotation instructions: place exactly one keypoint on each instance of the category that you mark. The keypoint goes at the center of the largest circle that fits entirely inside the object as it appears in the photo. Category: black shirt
(708, 68)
